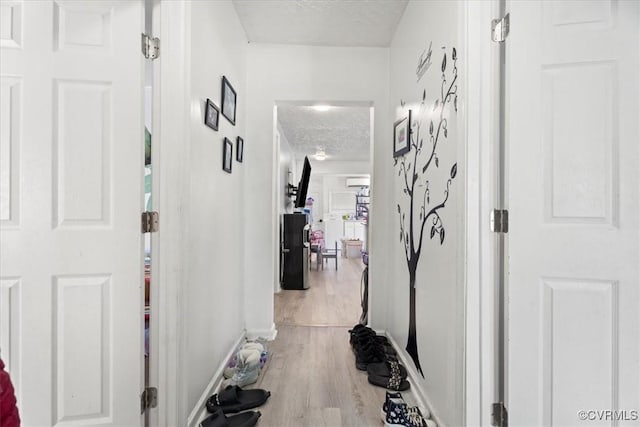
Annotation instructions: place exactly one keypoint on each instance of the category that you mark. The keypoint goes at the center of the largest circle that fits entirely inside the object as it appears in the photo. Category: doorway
(336, 138)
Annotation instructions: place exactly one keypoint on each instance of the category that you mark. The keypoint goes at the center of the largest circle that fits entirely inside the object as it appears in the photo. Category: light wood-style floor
(311, 372)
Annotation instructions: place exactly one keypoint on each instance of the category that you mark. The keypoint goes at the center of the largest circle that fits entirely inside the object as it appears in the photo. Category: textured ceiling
(321, 22)
(342, 132)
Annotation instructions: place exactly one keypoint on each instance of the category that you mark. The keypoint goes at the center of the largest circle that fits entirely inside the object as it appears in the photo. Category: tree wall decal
(417, 189)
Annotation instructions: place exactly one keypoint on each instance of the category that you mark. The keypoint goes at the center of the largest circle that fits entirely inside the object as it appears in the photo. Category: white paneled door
(71, 179)
(573, 186)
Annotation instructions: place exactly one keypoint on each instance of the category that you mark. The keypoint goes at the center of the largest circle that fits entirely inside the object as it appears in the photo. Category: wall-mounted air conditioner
(358, 182)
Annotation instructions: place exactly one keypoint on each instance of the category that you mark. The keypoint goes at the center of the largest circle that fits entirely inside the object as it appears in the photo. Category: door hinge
(149, 222)
(500, 221)
(500, 28)
(150, 46)
(498, 415)
(148, 399)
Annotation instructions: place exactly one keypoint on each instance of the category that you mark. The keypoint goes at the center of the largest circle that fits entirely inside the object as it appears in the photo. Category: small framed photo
(228, 101)
(239, 149)
(402, 135)
(227, 155)
(211, 115)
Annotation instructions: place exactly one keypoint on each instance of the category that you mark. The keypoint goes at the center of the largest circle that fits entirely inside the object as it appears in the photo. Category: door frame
(481, 270)
(170, 190)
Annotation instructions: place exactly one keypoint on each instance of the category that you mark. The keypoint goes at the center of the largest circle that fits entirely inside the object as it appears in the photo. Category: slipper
(393, 382)
(234, 399)
(384, 369)
(219, 419)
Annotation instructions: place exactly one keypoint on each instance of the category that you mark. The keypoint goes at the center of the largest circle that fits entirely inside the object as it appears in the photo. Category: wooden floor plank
(312, 375)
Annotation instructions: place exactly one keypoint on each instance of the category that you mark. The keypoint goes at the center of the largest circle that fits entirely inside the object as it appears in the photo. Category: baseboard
(199, 412)
(266, 334)
(418, 392)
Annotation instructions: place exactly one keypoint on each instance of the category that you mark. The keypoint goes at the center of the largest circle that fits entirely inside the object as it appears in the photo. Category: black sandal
(219, 419)
(393, 382)
(234, 399)
(384, 369)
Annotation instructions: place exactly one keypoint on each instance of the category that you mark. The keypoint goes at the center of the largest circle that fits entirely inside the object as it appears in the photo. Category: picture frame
(228, 102)
(227, 155)
(211, 115)
(239, 149)
(402, 135)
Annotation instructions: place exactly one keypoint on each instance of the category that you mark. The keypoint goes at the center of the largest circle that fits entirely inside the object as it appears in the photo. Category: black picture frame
(211, 115)
(228, 101)
(227, 155)
(239, 149)
(402, 135)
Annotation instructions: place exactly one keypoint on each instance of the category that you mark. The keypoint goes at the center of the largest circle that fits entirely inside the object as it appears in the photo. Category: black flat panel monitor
(303, 185)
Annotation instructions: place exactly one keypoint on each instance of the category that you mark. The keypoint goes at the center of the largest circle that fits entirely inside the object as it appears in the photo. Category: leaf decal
(455, 102)
(433, 231)
(435, 104)
(424, 94)
(420, 216)
(454, 170)
(437, 162)
(444, 62)
(427, 199)
(431, 127)
(407, 236)
(401, 236)
(441, 235)
(402, 102)
(454, 54)
(398, 208)
(445, 132)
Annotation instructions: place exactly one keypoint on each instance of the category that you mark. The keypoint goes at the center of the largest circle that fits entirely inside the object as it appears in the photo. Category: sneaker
(385, 405)
(400, 415)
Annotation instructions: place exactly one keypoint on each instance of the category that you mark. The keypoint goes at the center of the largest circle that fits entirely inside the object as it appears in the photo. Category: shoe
(219, 419)
(392, 382)
(234, 399)
(371, 353)
(385, 405)
(400, 415)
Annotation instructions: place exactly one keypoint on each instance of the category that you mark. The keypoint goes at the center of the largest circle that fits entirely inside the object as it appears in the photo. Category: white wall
(296, 73)
(440, 278)
(214, 292)
(288, 172)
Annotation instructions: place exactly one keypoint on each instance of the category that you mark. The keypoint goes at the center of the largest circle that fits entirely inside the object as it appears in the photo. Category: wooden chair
(330, 253)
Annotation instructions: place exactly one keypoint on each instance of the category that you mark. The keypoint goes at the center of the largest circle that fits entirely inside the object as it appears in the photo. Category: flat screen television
(303, 185)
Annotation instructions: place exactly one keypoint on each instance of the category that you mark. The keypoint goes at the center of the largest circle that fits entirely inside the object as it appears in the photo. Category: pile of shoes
(375, 354)
(396, 412)
(232, 400)
(244, 367)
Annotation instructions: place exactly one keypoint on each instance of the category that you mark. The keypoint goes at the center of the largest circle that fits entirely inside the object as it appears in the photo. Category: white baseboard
(416, 379)
(266, 334)
(199, 412)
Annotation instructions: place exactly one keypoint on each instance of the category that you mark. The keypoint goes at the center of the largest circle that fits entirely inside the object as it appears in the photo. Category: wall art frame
(402, 135)
(228, 102)
(239, 149)
(211, 115)
(227, 155)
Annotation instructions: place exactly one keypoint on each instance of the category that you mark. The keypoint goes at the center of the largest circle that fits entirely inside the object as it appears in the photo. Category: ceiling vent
(358, 182)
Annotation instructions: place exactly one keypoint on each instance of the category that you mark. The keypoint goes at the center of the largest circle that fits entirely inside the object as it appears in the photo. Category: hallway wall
(439, 282)
(214, 311)
(297, 73)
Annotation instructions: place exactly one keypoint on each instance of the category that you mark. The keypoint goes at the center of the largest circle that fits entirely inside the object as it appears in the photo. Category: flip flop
(234, 399)
(384, 369)
(219, 419)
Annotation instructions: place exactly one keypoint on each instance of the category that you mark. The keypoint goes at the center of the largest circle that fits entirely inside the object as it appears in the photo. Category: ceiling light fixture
(321, 107)
(320, 155)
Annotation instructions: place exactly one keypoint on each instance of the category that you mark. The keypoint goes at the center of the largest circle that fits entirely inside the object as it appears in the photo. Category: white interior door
(71, 184)
(573, 190)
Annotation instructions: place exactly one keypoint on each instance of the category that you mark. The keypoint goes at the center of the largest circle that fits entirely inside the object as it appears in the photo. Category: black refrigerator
(294, 246)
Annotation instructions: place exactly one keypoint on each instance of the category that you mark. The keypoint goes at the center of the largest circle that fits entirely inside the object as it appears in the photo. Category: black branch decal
(412, 174)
